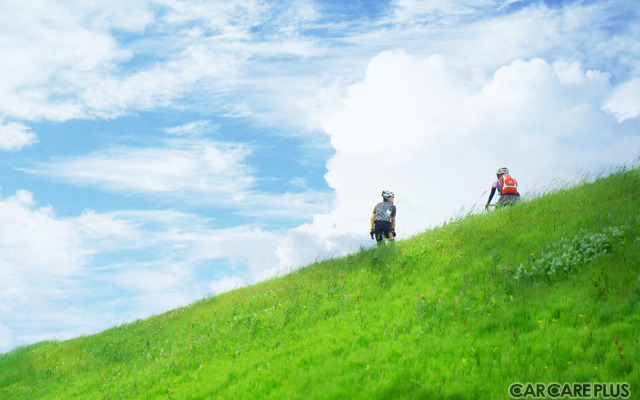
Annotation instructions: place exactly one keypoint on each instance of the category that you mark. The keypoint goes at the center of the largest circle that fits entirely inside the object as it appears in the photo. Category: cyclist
(507, 188)
(383, 220)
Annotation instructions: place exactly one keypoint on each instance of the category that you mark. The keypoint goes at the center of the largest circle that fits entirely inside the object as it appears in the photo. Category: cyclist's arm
(493, 191)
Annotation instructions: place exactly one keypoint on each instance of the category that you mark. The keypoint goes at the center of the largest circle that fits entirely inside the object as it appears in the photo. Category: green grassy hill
(546, 291)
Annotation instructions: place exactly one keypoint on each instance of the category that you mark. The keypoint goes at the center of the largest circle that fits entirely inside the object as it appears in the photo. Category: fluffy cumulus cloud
(34, 238)
(435, 136)
(41, 255)
(625, 101)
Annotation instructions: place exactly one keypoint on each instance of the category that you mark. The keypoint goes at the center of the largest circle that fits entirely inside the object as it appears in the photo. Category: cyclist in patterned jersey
(383, 220)
(507, 188)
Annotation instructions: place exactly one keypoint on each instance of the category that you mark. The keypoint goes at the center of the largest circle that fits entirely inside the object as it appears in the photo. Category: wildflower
(580, 315)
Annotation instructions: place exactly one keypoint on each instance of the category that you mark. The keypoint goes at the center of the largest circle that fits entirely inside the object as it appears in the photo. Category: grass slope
(441, 315)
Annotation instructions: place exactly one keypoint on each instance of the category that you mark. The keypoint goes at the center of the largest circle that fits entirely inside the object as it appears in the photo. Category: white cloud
(41, 255)
(186, 238)
(35, 240)
(221, 16)
(110, 96)
(193, 128)
(190, 169)
(46, 49)
(64, 62)
(412, 11)
(226, 284)
(183, 166)
(61, 61)
(625, 101)
(125, 265)
(15, 135)
(168, 248)
(7, 339)
(435, 137)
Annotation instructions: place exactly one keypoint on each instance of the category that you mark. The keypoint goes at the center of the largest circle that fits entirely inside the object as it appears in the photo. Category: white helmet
(386, 194)
(503, 170)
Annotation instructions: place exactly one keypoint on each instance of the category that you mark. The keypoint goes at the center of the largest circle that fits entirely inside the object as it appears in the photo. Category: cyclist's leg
(379, 235)
(507, 200)
(503, 201)
(381, 230)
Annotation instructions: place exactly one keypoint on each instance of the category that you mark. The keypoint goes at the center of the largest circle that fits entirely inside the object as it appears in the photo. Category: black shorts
(382, 229)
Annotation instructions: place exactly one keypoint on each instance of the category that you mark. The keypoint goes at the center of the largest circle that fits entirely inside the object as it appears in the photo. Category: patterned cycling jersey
(384, 211)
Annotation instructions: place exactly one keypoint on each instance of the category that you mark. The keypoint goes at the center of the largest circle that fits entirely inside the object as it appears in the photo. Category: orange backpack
(508, 185)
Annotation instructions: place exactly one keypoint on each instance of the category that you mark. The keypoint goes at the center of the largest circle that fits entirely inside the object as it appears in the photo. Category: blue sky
(157, 152)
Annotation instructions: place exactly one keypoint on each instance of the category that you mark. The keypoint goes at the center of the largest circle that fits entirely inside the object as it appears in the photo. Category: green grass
(442, 315)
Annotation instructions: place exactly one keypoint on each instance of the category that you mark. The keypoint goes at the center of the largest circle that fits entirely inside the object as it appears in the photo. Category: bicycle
(389, 238)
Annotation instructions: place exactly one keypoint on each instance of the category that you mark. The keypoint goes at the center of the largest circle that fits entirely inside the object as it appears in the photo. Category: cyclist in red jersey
(506, 186)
